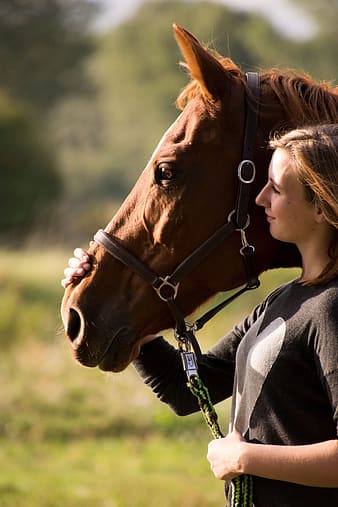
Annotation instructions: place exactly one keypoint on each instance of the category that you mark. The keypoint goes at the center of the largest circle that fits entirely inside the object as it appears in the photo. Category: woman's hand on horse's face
(77, 267)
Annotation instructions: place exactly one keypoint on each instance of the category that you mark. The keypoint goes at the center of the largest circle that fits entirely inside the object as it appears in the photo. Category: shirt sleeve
(160, 367)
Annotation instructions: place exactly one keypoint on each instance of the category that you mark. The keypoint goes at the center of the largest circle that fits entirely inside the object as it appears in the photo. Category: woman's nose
(261, 199)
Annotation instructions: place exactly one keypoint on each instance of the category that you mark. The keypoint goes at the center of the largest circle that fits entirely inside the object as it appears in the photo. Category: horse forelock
(304, 100)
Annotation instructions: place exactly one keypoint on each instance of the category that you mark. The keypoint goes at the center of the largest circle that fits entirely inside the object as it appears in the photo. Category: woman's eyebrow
(273, 182)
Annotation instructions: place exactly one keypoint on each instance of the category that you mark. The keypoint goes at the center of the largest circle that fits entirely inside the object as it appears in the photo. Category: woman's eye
(165, 173)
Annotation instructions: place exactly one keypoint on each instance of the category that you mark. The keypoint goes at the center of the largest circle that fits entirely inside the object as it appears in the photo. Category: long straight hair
(314, 157)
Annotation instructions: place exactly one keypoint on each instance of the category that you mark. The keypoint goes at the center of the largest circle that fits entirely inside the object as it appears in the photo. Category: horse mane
(303, 99)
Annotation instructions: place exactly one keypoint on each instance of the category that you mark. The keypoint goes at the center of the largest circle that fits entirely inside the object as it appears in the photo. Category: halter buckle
(166, 285)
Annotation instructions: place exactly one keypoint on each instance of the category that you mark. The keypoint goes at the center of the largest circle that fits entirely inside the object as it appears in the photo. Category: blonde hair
(314, 156)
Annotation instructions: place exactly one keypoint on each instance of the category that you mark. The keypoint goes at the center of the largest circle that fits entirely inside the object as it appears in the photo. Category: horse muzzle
(111, 348)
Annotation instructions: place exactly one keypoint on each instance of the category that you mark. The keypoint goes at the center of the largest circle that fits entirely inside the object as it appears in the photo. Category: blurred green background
(81, 110)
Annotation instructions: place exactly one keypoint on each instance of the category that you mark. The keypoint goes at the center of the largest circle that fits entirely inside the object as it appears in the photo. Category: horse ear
(203, 66)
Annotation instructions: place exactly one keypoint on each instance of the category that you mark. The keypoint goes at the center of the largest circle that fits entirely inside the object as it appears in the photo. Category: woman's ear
(319, 215)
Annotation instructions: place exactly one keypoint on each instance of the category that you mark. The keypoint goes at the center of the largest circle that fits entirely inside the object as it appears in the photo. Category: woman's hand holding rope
(226, 456)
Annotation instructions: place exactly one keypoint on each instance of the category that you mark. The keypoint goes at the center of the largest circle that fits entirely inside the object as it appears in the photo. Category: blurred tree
(29, 180)
(42, 47)
(324, 13)
(319, 54)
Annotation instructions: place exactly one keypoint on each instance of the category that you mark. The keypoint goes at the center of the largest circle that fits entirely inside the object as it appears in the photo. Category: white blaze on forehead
(162, 139)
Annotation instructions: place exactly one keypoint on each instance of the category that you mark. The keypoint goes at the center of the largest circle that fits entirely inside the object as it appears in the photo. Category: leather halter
(238, 220)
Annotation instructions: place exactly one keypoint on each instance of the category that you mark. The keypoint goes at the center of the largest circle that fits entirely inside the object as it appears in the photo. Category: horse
(185, 194)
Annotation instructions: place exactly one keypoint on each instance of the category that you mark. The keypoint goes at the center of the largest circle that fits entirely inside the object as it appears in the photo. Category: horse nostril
(74, 325)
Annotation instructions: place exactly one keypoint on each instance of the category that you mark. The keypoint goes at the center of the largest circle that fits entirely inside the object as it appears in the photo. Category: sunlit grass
(72, 436)
(120, 472)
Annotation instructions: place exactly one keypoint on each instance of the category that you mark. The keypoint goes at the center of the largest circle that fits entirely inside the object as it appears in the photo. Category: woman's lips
(269, 218)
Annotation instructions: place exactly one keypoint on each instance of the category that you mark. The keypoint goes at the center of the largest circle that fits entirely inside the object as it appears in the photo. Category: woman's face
(292, 218)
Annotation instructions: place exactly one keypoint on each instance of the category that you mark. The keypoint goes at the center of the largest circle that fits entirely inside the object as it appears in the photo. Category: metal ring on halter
(189, 327)
(252, 248)
(240, 174)
(165, 283)
(247, 223)
(245, 243)
(183, 343)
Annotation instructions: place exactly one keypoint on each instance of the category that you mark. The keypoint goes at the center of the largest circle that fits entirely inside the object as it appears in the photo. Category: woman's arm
(160, 367)
(309, 465)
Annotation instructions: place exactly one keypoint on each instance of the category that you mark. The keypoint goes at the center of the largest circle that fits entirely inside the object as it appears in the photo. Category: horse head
(185, 193)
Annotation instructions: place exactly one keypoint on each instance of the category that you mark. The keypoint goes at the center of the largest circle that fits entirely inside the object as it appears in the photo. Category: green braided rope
(201, 392)
(242, 488)
(241, 491)
(236, 492)
(247, 489)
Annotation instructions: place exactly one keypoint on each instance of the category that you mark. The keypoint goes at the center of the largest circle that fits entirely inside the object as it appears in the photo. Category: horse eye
(165, 173)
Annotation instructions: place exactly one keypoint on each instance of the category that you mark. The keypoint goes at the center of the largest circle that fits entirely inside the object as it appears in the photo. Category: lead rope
(241, 486)
(241, 491)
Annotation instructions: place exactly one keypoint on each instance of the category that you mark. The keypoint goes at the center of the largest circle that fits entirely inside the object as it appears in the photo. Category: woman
(281, 363)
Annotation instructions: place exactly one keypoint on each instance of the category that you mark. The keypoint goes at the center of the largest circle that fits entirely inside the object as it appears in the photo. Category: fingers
(226, 456)
(81, 254)
(75, 271)
(78, 266)
(65, 282)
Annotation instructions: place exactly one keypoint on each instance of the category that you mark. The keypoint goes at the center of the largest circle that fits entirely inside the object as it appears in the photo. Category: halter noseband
(238, 220)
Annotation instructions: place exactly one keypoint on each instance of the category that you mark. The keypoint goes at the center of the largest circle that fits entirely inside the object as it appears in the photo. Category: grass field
(72, 436)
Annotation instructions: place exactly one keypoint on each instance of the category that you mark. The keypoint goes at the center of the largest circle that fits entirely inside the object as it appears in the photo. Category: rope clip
(189, 363)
